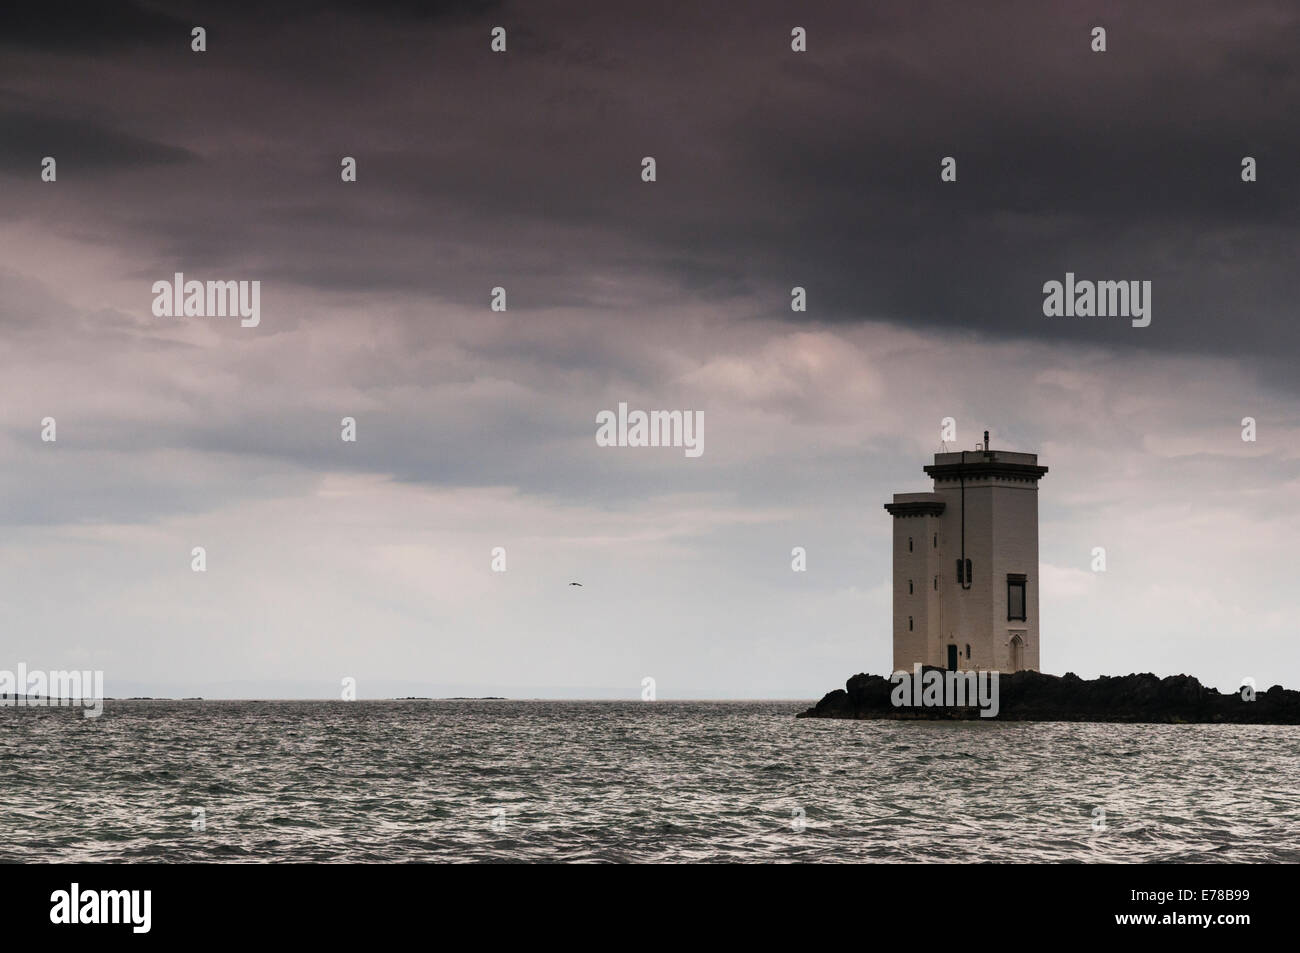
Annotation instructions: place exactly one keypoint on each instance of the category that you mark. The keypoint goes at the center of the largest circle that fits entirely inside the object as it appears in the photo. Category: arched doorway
(1017, 653)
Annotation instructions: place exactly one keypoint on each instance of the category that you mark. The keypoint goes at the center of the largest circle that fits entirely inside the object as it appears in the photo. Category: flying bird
(575, 584)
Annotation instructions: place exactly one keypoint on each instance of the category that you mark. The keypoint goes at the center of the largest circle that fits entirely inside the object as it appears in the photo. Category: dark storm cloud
(84, 26)
(83, 145)
(775, 168)
(93, 26)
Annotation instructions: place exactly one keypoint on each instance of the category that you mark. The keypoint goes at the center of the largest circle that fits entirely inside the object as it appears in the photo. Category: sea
(638, 782)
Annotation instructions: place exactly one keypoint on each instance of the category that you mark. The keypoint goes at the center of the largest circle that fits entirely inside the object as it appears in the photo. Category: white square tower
(966, 564)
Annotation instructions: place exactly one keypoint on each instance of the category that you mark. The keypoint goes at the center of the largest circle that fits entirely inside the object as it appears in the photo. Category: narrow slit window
(1016, 597)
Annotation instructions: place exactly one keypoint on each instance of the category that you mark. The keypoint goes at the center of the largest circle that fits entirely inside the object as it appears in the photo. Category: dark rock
(1034, 696)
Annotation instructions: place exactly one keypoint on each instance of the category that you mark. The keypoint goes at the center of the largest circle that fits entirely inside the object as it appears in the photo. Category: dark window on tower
(1016, 597)
(909, 544)
(936, 583)
(909, 623)
(936, 540)
(968, 650)
(910, 590)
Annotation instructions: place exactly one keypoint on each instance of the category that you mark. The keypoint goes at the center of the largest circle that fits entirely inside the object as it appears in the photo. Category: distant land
(1034, 696)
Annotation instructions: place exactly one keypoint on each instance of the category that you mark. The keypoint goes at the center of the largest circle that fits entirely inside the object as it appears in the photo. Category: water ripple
(615, 781)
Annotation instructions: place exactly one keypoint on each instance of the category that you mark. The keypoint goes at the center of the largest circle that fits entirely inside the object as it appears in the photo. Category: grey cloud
(79, 145)
(775, 169)
(86, 26)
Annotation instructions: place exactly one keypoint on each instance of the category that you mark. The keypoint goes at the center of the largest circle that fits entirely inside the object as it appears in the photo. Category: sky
(372, 560)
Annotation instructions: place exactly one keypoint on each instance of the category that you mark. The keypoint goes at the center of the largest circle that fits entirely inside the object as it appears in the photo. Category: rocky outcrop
(1033, 696)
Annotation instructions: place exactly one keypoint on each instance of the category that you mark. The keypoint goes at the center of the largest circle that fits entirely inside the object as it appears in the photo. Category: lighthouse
(966, 564)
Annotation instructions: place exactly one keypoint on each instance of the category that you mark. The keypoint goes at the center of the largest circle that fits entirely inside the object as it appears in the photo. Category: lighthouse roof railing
(986, 463)
(916, 504)
(985, 456)
(928, 497)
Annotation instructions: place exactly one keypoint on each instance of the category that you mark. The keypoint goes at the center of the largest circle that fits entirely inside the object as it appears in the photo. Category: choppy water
(630, 781)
